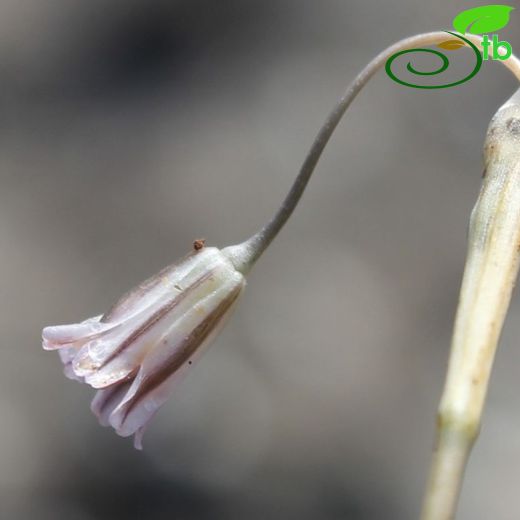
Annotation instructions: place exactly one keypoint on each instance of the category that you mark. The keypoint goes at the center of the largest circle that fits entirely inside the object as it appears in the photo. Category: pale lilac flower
(138, 350)
(135, 352)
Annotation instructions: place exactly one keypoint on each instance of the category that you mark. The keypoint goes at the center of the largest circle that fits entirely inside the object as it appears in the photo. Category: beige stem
(489, 277)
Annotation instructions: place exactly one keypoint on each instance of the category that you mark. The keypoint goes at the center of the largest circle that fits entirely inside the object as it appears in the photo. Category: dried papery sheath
(134, 353)
(489, 277)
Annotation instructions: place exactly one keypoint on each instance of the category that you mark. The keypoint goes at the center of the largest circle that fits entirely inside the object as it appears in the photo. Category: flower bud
(134, 353)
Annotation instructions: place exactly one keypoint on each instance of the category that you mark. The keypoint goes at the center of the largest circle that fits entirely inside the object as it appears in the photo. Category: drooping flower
(135, 353)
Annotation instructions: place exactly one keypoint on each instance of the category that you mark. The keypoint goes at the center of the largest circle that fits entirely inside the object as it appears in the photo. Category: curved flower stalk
(134, 353)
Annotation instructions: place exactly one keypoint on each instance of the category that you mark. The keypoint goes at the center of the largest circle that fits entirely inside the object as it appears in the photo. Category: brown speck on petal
(199, 243)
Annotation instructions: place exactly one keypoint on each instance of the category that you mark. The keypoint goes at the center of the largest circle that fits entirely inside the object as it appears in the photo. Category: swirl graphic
(444, 65)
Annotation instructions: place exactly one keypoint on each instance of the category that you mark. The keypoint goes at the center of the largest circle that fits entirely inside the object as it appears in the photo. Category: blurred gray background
(127, 129)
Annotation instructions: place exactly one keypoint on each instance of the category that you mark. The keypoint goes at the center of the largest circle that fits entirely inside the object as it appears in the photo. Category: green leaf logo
(484, 19)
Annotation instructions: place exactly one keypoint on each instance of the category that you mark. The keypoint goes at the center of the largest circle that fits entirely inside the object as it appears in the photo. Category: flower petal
(116, 355)
(152, 291)
(138, 437)
(167, 364)
(107, 399)
(59, 336)
(67, 354)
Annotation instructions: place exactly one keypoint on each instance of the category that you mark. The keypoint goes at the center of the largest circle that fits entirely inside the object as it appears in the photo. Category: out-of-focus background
(127, 129)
